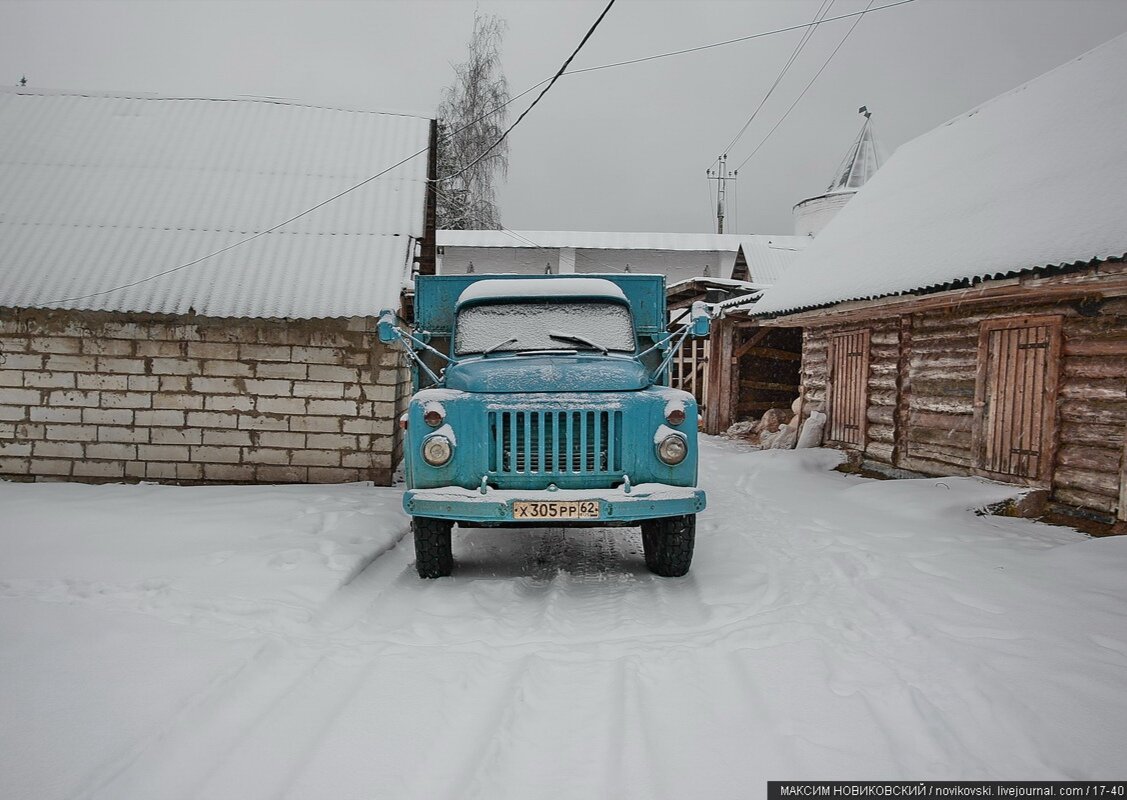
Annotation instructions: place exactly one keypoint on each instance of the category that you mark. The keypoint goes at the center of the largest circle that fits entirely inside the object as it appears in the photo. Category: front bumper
(644, 501)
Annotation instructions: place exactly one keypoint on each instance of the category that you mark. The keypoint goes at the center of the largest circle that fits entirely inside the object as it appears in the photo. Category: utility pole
(721, 176)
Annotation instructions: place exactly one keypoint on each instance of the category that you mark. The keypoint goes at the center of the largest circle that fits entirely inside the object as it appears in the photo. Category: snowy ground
(259, 642)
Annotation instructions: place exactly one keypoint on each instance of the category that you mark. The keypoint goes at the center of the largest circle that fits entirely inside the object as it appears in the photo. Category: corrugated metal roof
(768, 257)
(741, 303)
(100, 190)
(1033, 178)
(713, 283)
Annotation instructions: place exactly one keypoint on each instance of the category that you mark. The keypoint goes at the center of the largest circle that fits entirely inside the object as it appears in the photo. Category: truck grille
(561, 442)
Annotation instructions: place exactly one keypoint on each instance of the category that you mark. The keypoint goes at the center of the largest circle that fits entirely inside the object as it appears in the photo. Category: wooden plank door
(1015, 398)
(848, 362)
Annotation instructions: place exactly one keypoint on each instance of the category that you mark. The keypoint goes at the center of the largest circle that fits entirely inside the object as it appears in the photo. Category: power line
(802, 94)
(802, 42)
(513, 99)
(243, 241)
(539, 97)
(737, 40)
(355, 186)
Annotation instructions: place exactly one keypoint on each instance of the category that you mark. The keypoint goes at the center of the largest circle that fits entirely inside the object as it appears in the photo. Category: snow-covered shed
(168, 309)
(677, 256)
(966, 312)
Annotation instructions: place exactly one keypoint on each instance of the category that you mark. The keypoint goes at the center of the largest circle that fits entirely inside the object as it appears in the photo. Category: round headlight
(437, 450)
(673, 449)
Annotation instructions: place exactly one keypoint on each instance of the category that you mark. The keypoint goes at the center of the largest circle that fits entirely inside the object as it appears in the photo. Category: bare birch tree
(470, 120)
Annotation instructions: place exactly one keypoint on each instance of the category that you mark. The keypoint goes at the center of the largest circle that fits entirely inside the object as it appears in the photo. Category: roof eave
(961, 292)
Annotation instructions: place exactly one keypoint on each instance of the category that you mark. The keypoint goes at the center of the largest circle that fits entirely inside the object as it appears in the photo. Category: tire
(668, 544)
(434, 557)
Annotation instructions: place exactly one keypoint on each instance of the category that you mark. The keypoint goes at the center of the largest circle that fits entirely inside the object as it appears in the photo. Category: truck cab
(540, 401)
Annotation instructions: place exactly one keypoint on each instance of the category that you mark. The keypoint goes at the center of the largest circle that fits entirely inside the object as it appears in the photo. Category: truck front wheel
(434, 557)
(668, 544)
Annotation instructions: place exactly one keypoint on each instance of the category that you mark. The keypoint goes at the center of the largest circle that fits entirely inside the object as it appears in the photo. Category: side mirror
(700, 319)
(386, 328)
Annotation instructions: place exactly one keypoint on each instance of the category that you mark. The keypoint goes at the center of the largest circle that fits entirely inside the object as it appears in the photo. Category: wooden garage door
(849, 380)
(1015, 398)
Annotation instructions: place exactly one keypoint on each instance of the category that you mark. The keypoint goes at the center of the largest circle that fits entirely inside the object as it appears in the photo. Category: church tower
(860, 163)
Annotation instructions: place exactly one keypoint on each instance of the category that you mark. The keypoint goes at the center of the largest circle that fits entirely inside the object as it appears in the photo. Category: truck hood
(548, 373)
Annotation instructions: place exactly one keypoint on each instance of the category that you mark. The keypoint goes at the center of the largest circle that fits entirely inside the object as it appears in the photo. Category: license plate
(556, 509)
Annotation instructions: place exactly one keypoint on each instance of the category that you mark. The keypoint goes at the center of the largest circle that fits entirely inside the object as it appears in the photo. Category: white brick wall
(93, 396)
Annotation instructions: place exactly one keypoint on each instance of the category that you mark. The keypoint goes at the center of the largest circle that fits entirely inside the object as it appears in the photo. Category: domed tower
(860, 163)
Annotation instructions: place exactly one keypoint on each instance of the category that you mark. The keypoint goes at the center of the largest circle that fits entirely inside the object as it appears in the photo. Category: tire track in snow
(196, 740)
(160, 764)
(552, 665)
(452, 763)
(553, 740)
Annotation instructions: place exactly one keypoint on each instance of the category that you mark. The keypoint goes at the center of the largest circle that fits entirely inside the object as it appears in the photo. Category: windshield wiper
(571, 337)
(498, 346)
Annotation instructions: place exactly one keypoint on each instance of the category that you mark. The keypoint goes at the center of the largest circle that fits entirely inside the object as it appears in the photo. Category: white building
(156, 322)
(677, 256)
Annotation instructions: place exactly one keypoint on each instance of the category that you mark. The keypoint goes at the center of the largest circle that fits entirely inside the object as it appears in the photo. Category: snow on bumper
(644, 501)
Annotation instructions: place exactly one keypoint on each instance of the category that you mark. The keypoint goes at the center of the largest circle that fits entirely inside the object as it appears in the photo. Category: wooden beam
(770, 387)
(755, 339)
(758, 406)
(726, 370)
(773, 353)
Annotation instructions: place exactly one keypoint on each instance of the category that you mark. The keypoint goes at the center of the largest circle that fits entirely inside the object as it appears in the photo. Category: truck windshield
(516, 327)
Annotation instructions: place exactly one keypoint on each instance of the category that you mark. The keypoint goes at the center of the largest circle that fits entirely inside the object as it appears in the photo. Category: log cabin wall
(924, 369)
(880, 394)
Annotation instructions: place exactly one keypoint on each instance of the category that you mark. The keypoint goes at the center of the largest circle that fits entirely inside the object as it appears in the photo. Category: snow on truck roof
(539, 287)
(1031, 179)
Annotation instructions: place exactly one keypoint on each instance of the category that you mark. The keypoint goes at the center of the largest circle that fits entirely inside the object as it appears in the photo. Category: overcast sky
(618, 149)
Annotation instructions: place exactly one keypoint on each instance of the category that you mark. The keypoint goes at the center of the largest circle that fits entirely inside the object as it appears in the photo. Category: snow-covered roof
(103, 190)
(538, 287)
(589, 240)
(1031, 179)
(744, 302)
(725, 283)
(767, 256)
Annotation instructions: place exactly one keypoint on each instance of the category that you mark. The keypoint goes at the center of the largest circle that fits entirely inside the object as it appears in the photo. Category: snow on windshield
(542, 326)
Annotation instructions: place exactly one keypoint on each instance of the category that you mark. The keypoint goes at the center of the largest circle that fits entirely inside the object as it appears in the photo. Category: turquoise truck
(542, 402)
